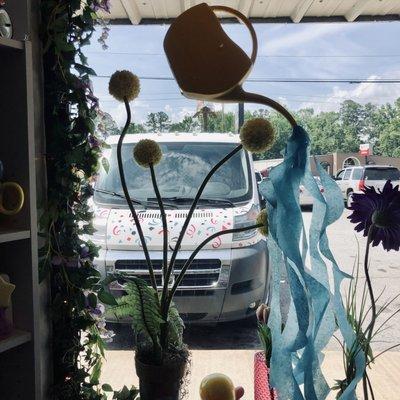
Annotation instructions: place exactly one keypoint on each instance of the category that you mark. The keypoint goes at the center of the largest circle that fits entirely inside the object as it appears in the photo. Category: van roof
(214, 137)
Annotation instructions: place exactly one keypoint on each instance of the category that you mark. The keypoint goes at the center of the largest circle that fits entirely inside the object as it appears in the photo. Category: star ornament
(6, 290)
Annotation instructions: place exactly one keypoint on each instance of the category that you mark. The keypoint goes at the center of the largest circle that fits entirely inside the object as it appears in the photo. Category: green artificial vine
(72, 153)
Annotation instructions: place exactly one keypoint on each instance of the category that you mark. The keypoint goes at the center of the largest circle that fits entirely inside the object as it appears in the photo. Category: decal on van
(121, 232)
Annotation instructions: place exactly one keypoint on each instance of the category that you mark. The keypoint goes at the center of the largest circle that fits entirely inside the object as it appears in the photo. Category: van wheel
(349, 198)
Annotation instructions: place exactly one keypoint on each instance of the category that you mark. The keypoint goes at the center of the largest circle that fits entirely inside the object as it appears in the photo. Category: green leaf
(95, 376)
(107, 298)
(92, 300)
(106, 165)
(107, 388)
(175, 327)
(142, 305)
(83, 69)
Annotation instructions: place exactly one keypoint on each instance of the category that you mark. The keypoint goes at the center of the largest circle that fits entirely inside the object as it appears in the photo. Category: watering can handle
(248, 24)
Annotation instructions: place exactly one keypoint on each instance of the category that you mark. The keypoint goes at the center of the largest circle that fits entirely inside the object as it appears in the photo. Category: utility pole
(240, 115)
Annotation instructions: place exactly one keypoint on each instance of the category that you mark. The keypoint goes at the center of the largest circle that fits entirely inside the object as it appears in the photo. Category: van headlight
(243, 220)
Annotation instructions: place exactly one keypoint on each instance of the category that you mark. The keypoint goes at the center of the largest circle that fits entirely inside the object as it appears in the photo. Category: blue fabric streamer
(297, 348)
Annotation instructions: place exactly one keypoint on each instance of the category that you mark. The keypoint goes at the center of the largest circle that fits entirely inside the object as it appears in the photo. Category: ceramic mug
(11, 196)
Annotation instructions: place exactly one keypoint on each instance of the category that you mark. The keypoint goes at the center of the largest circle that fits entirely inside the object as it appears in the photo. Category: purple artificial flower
(104, 5)
(94, 142)
(382, 210)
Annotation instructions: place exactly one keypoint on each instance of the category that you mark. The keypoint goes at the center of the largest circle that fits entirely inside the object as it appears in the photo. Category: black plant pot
(160, 382)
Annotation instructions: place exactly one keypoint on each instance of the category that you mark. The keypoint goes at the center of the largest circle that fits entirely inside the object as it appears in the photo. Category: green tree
(222, 122)
(389, 143)
(188, 124)
(158, 122)
(136, 128)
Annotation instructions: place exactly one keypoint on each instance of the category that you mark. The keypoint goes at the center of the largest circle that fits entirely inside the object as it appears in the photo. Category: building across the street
(333, 162)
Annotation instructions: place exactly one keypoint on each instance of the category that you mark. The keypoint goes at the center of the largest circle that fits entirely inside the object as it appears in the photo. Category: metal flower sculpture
(214, 70)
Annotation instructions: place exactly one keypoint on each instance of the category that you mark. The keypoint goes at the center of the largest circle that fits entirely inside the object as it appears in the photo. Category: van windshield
(179, 174)
(382, 174)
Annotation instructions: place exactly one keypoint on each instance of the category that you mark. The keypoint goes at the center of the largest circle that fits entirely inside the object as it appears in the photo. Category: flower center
(380, 219)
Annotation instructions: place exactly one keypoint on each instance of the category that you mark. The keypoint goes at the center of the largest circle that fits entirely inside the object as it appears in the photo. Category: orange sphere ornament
(217, 387)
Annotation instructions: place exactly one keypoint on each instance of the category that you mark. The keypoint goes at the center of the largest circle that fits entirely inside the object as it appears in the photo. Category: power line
(305, 97)
(282, 80)
(262, 55)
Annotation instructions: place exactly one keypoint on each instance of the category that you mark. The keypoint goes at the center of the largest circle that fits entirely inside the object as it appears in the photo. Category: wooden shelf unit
(16, 338)
(21, 372)
(11, 44)
(12, 235)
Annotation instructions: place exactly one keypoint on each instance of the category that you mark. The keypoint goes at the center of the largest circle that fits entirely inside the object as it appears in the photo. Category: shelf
(11, 44)
(13, 235)
(17, 338)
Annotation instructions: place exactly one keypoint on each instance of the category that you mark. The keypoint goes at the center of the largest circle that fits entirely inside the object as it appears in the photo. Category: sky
(362, 50)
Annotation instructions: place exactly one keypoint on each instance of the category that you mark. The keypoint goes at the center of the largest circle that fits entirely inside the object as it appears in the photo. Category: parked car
(229, 277)
(305, 198)
(353, 179)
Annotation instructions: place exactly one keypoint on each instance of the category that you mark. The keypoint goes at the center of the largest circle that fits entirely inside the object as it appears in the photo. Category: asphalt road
(385, 273)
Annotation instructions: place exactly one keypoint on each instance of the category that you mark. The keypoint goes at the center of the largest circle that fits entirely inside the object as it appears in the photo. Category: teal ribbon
(297, 348)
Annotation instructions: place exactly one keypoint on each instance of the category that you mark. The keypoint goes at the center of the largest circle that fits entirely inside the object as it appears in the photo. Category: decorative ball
(124, 85)
(257, 135)
(217, 387)
(262, 218)
(147, 152)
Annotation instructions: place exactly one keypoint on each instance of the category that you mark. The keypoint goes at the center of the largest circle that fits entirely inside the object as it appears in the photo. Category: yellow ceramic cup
(11, 198)
(217, 387)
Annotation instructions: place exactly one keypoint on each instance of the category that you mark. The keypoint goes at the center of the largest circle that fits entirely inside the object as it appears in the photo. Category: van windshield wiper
(178, 199)
(143, 203)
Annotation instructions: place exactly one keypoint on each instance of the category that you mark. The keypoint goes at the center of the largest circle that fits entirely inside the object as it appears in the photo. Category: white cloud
(298, 38)
(139, 111)
(376, 93)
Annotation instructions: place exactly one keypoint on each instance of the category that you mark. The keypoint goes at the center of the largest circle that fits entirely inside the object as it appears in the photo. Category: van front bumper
(234, 295)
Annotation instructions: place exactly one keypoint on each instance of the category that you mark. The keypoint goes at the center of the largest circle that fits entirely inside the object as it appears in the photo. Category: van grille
(201, 273)
(178, 214)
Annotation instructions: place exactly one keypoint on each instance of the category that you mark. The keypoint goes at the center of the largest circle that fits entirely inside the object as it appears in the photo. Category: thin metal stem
(164, 311)
(128, 198)
(193, 207)
(371, 325)
(163, 219)
(240, 95)
(199, 247)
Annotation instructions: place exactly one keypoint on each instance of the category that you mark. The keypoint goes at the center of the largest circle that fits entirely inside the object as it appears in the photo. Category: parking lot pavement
(230, 347)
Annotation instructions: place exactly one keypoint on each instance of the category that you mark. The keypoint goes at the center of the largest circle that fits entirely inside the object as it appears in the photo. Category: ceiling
(153, 11)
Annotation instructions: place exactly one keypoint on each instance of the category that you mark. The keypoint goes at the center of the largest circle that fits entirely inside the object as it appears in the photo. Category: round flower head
(124, 85)
(381, 208)
(147, 152)
(257, 135)
(262, 218)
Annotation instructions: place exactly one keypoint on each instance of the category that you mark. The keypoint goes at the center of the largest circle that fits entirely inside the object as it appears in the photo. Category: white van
(229, 277)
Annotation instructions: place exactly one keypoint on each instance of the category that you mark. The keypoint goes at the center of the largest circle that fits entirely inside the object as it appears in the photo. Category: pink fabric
(262, 390)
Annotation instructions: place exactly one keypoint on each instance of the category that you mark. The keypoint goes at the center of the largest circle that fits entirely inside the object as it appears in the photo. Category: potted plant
(377, 214)
(161, 355)
(262, 359)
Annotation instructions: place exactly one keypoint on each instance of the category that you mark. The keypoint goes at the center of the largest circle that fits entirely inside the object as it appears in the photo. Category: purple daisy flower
(382, 210)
